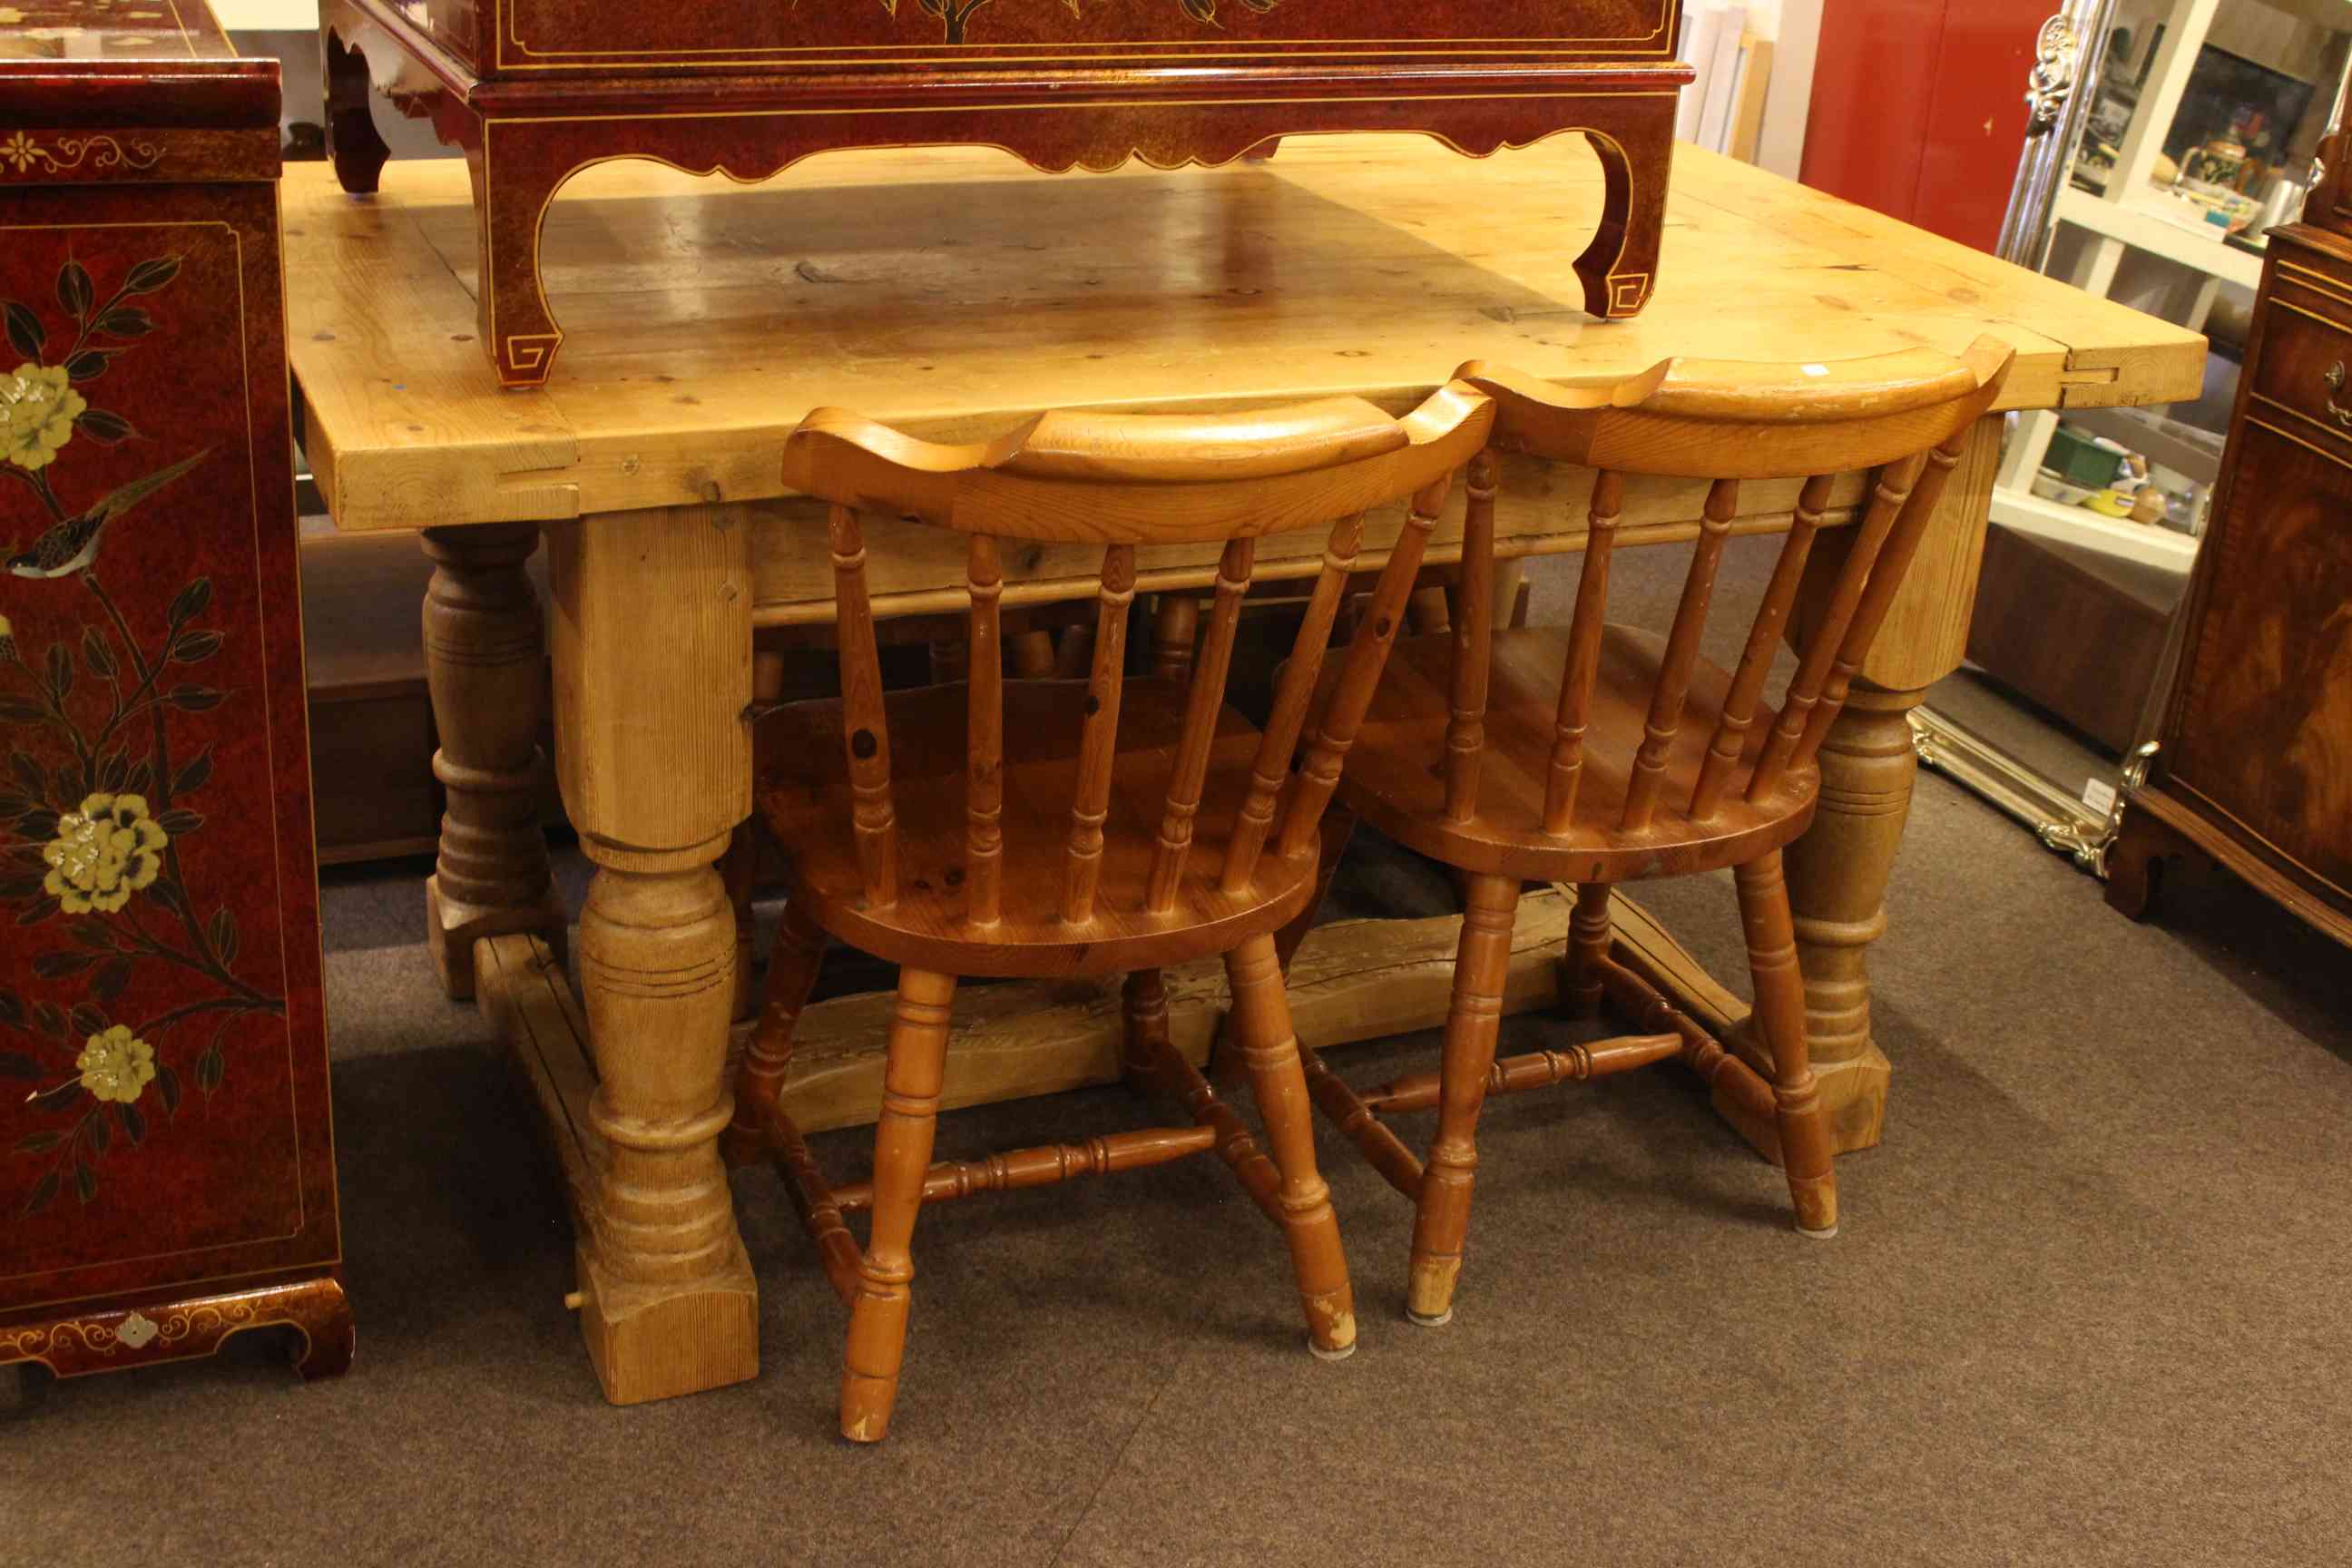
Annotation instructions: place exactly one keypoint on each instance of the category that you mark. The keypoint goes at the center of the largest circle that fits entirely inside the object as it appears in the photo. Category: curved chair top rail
(1726, 419)
(1144, 479)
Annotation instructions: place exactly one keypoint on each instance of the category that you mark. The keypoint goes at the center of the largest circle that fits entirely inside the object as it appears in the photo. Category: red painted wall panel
(1918, 108)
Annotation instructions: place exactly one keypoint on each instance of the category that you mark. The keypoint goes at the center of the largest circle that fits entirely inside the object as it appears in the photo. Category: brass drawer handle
(2334, 380)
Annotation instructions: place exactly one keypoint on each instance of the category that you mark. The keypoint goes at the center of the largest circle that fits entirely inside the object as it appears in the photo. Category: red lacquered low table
(536, 90)
(167, 1166)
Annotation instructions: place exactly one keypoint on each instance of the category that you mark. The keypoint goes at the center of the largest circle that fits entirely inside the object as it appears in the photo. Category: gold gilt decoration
(21, 153)
(94, 831)
(107, 1335)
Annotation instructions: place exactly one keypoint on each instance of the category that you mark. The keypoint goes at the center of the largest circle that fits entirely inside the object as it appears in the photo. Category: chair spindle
(1755, 660)
(1295, 691)
(1583, 653)
(985, 728)
(1681, 656)
(866, 734)
(1886, 499)
(1894, 563)
(1368, 653)
(1206, 700)
(1474, 626)
(1099, 742)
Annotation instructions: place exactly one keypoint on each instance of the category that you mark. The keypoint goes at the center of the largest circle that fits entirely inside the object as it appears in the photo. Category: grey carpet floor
(2089, 1307)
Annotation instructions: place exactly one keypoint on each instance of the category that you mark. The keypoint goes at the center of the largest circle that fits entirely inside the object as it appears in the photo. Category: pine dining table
(955, 292)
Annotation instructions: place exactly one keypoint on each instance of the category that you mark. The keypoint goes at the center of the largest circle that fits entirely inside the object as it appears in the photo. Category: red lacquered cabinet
(1918, 108)
(167, 1173)
(535, 91)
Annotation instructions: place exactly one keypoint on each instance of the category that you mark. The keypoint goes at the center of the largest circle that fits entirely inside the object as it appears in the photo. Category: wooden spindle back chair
(1596, 753)
(1015, 828)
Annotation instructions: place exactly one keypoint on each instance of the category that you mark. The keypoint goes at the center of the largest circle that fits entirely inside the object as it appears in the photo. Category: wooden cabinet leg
(353, 146)
(510, 199)
(1837, 875)
(652, 636)
(329, 1337)
(486, 667)
(1618, 268)
(2135, 862)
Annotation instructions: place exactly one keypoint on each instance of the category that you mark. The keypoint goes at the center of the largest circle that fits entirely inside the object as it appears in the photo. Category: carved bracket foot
(353, 145)
(116, 1338)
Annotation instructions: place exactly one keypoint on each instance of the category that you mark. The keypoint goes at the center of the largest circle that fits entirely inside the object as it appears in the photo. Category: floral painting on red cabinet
(159, 979)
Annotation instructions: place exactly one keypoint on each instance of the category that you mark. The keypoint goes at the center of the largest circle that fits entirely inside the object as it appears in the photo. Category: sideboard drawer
(2304, 372)
(535, 36)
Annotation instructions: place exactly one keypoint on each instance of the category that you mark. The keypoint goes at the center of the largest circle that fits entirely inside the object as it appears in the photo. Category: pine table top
(955, 291)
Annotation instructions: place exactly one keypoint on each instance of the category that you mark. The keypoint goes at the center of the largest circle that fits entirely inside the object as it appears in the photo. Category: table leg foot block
(1853, 1091)
(651, 1342)
(452, 927)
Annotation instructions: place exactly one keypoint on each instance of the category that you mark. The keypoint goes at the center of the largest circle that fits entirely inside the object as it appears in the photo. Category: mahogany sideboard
(536, 90)
(2254, 763)
(167, 1173)
(954, 293)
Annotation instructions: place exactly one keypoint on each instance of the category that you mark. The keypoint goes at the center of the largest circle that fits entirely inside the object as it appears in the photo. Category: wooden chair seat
(1391, 783)
(804, 796)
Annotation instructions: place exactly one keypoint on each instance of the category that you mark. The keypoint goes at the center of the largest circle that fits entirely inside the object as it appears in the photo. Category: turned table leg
(486, 667)
(1838, 871)
(653, 676)
(1837, 874)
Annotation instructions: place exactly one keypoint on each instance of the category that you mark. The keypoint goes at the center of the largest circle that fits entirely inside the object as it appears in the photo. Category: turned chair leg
(1145, 1011)
(1175, 634)
(1588, 949)
(792, 968)
(1032, 654)
(741, 868)
(1261, 1025)
(1779, 1018)
(912, 1076)
(1441, 1222)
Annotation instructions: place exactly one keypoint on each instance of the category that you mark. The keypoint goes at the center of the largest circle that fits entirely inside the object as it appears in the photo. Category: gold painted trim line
(1581, 92)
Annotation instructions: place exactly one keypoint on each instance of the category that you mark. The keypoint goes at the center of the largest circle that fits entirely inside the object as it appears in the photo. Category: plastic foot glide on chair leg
(1817, 1235)
(1428, 1321)
(1342, 1353)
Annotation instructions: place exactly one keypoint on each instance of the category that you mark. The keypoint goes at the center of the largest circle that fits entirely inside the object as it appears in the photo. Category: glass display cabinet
(2168, 137)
